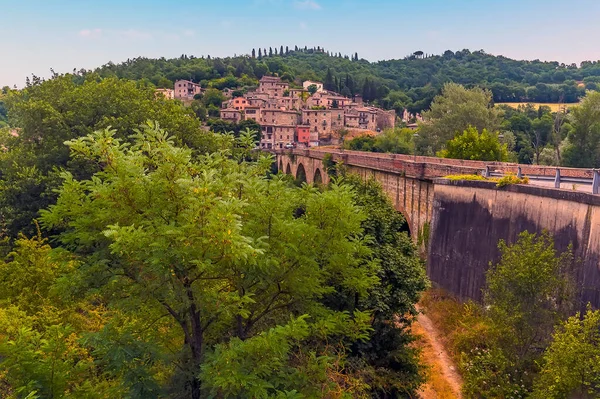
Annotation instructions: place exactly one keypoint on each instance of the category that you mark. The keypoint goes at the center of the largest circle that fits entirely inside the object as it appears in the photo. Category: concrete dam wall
(470, 217)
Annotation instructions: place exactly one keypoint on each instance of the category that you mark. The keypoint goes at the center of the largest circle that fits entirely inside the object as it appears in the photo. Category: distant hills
(409, 83)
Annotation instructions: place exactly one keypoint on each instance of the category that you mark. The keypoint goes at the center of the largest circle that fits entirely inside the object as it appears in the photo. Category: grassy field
(553, 106)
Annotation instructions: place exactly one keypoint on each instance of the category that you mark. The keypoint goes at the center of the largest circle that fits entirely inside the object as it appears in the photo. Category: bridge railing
(433, 167)
(589, 178)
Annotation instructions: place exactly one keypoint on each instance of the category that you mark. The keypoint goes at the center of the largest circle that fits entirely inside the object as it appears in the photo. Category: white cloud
(91, 33)
(306, 5)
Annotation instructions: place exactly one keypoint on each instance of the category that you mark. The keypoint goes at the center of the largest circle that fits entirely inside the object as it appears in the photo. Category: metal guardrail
(594, 182)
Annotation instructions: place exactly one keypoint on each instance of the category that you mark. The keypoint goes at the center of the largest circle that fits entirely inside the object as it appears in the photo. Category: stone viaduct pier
(460, 222)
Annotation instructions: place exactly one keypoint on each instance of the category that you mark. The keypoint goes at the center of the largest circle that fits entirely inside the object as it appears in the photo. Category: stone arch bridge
(461, 221)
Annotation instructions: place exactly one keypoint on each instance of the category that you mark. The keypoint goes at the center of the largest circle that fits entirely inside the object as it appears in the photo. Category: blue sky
(37, 35)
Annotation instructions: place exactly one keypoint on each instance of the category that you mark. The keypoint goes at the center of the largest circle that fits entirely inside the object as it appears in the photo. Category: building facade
(290, 115)
(186, 89)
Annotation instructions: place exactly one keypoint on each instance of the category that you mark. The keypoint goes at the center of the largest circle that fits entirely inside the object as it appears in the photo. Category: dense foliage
(455, 110)
(397, 141)
(183, 275)
(473, 145)
(409, 83)
(571, 365)
(47, 114)
(500, 344)
(180, 266)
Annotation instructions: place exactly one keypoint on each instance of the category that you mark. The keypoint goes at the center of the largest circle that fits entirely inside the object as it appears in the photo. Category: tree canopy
(454, 111)
(475, 146)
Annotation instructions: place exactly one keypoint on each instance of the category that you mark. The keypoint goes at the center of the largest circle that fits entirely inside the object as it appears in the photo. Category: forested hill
(404, 83)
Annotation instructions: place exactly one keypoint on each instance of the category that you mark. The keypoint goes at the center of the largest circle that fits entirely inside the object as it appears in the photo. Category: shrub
(466, 177)
(511, 179)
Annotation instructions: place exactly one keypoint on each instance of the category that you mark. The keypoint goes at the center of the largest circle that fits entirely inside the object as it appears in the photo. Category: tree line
(463, 123)
(409, 83)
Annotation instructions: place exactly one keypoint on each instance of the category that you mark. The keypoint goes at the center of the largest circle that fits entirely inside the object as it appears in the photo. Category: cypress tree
(259, 54)
(329, 83)
(296, 48)
(270, 51)
(253, 53)
(287, 50)
(281, 51)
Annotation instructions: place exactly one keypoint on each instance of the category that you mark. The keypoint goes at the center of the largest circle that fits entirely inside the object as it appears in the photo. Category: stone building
(186, 89)
(290, 115)
(252, 113)
(231, 115)
(273, 86)
(279, 117)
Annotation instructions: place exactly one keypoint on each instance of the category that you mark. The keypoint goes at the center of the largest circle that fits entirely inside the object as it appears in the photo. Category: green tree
(387, 359)
(312, 89)
(474, 146)
(396, 141)
(42, 351)
(452, 112)
(213, 97)
(571, 364)
(584, 138)
(542, 131)
(224, 253)
(61, 109)
(528, 292)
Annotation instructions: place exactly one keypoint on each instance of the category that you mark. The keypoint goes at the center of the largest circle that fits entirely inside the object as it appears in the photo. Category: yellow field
(553, 106)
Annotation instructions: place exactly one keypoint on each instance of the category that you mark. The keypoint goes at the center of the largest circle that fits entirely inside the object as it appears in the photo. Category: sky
(38, 35)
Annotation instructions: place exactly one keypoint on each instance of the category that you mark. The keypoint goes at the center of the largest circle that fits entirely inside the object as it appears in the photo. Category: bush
(511, 179)
(466, 177)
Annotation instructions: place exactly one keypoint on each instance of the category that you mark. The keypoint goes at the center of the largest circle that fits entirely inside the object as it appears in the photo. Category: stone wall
(470, 218)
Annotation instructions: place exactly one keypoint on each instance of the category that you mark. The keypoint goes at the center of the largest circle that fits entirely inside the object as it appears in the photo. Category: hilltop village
(295, 117)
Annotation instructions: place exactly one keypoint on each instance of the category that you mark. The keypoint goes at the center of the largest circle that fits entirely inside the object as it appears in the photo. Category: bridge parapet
(428, 168)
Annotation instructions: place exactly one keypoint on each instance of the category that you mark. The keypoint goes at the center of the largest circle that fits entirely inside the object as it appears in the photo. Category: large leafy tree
(49, 113)
(218, 256)
(452, 112)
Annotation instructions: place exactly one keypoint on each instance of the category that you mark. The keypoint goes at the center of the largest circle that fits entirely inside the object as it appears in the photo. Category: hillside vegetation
(409, 83)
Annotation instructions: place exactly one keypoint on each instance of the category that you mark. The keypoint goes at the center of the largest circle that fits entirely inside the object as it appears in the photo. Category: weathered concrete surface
(471, 217)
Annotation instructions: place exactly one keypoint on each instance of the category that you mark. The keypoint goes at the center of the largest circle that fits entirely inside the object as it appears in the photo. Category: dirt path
(444, 381)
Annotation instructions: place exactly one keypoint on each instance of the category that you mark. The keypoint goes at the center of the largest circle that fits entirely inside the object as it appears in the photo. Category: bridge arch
(318, 178)
(300, 174)
(408, 227)
(288, 169)
(281, 165)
